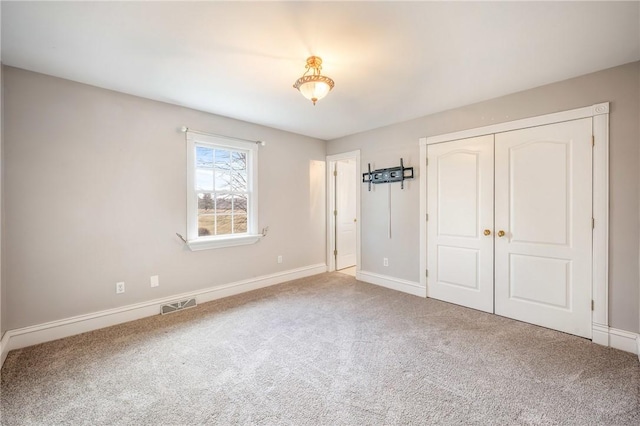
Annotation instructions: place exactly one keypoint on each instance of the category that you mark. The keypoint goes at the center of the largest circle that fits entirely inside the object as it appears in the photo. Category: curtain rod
(185, 129)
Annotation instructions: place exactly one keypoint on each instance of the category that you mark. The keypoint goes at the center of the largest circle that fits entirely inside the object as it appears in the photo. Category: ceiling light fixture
(314, 86)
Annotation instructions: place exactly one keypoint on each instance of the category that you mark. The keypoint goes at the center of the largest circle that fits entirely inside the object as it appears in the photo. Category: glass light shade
(315, 90)
(314, 87)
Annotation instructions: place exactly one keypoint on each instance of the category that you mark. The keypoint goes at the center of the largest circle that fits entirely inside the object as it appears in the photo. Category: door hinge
(593, 223)
(335, 173)
(427, 217)
(426, 273)
(593, 305)
(427, 162)
(593, 140)
(335, 212)
(335, 252)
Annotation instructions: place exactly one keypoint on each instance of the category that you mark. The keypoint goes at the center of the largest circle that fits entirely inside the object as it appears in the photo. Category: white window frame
(195, 242)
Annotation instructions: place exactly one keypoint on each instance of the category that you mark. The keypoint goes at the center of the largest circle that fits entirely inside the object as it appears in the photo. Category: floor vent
(177, 306)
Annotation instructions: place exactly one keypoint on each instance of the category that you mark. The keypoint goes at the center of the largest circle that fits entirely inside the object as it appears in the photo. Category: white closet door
(543, 205)
(460, 208)
(346, 181)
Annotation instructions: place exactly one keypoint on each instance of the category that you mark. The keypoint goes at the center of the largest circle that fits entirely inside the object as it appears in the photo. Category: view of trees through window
(221, 185)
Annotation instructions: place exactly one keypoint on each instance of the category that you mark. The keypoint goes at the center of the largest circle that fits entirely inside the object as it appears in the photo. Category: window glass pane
(238, 160)
(240, 204)
(223, 181)
(206, 225)
(205, 203)
(204, 180)
(239, 181)
(222, 159)
(222, 188)
(224, 203)
(223, 224)
(204, 157)
(239, 223)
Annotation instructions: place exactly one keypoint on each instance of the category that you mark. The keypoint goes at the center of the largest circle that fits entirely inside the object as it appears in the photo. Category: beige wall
(95, 192)
(383, 147)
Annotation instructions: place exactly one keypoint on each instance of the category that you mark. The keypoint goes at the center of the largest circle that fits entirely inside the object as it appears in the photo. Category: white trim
(230, 241)
(600, 334)
(194, 242)
(623, 340)
(331, 220)
(28, 336)
(423, 213)
(618, 339)
(393, 283)
(600, 200)
(541, 120)
(600, 114)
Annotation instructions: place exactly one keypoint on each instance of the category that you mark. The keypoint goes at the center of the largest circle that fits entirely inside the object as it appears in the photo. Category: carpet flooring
(324, 350)
(349, 271)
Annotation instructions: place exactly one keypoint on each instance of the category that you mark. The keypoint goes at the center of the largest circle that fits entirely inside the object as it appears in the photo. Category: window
(222, 205)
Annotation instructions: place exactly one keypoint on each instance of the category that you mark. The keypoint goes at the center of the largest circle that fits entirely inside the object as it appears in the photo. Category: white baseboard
(620, 339)
(600, 334)
(623, 340)
(33, 335)
(27, 336)
(393, 283)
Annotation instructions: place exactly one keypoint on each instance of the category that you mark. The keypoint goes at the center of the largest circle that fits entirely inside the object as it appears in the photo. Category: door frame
(600, 249)
(331, 206)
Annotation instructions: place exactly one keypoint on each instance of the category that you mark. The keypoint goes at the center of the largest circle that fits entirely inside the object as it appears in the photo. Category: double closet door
(510, 224)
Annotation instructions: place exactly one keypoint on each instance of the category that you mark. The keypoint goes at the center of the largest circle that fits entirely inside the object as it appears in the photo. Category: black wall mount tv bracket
(392, 174)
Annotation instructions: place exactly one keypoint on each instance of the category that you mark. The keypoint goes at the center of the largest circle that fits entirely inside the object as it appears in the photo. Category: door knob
(355, 220)
(487, 232)
(500, 233)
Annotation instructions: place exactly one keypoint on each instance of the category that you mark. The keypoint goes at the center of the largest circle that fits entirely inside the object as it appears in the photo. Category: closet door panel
(460, 208)
(543, 204)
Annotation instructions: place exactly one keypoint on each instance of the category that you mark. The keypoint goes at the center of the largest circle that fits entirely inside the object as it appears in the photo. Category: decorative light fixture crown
(314, 86)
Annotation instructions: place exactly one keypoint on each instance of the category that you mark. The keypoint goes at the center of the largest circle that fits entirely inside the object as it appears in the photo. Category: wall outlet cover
(154, 281)
(120, 287)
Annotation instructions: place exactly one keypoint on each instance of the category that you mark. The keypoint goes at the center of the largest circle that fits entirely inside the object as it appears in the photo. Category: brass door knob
(487, 232)
(355, 220)
(500, 233)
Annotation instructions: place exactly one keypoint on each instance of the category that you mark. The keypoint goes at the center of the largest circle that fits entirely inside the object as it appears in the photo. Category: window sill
(214, 243)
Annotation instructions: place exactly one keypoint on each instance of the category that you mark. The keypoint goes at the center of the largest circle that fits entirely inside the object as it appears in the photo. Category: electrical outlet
(120, 287)
(385, 261)
(280, 259)
(154, 281)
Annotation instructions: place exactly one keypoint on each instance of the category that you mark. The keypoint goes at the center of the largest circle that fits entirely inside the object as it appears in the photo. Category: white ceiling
(391, 61)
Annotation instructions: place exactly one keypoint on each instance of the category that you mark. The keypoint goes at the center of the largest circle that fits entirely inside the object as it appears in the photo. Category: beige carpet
(324, 350)
(349, 271)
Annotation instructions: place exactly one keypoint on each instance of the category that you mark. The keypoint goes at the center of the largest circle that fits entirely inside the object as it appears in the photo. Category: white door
(543, 205)
(460, 225)
(346, 181)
